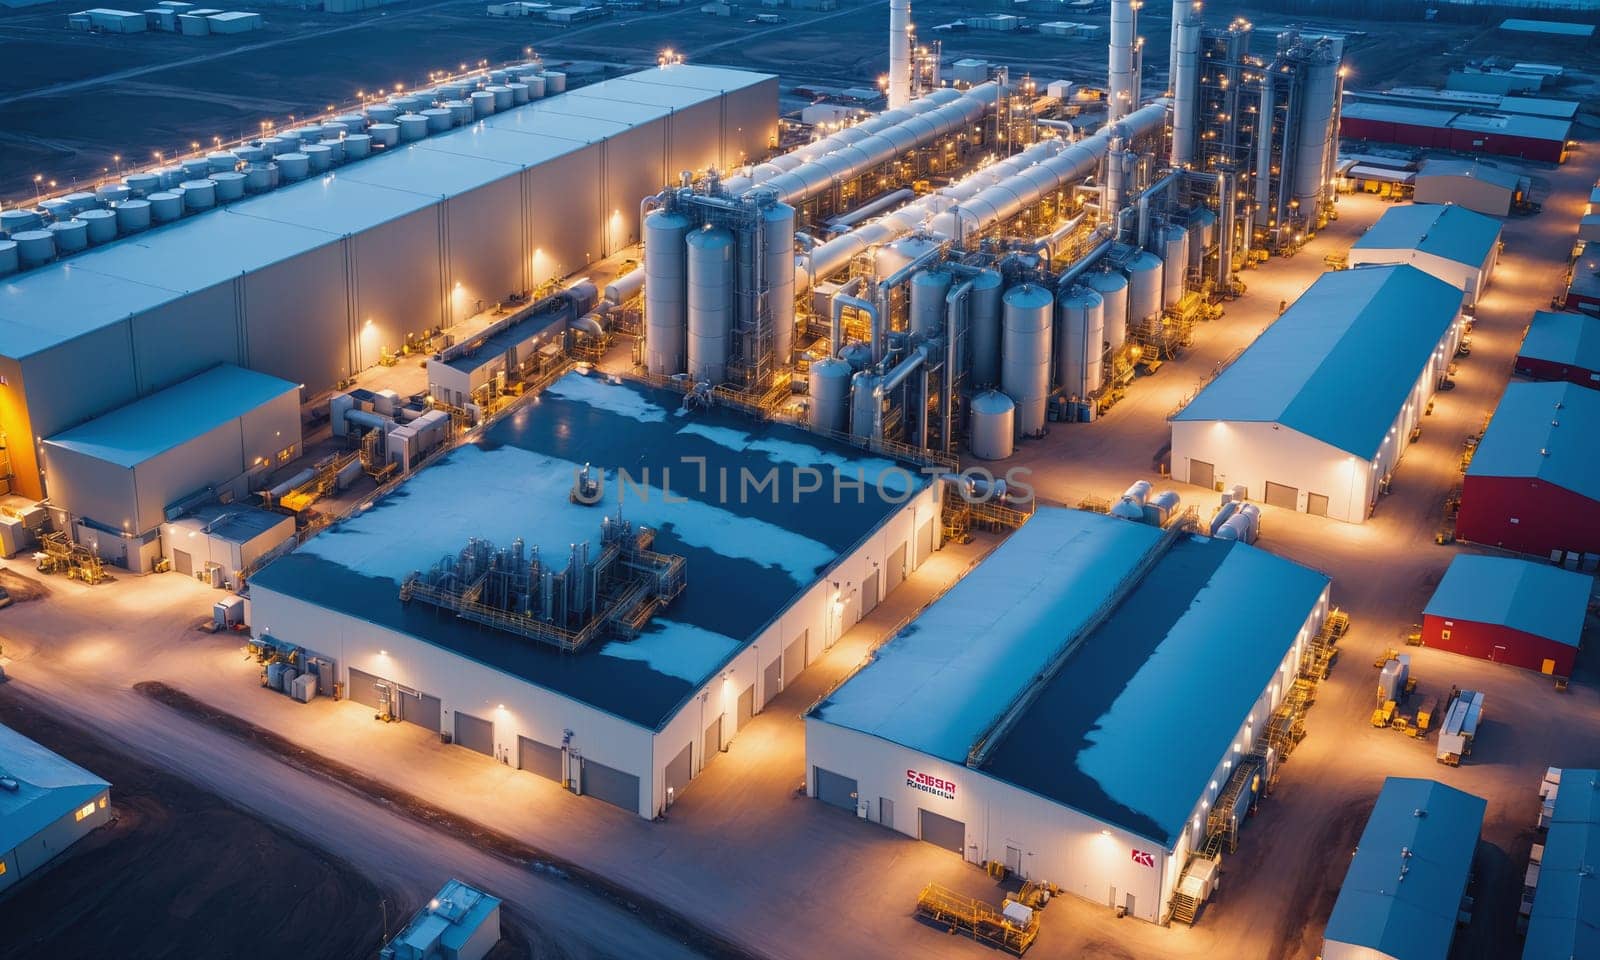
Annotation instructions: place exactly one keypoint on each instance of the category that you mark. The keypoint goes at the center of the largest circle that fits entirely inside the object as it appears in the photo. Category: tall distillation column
(1124, 93)
(1184, 78)
(899, 53)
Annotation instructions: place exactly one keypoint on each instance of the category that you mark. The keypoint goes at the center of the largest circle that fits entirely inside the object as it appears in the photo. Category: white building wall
(1333, 950)
(44, 846)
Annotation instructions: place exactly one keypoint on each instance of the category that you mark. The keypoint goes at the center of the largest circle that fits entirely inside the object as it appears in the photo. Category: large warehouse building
(1561, 346)
(540, 648)
(1520, 612)
(54, 804)
(1449, 242)
(314, 281)
(1074, 706)
(1534, 482)
(1470, 184)
(1497, 133)
(1565, 921)
(1422, 833)
(1316, 412)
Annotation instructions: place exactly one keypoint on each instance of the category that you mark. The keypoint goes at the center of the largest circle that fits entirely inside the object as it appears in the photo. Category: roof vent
(1544, 452)
(9, 784)
(1559, 404)
(1555, 423)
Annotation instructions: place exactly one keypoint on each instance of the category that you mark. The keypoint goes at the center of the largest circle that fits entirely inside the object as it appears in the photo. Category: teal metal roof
(1472, 169)
(1403, 891)
(1524, 595)
(1566, 905)
(1568, 338)
(48, 788)
(1443, 230)
(1544, 431)
(1340, 363)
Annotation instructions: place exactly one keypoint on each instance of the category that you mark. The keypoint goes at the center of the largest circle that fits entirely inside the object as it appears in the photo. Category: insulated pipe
(866, 210)
(836, 328)
(625, 287)
(1184, 79)
(957, 304)
(842, 300)
(1084, 263)
(590, 323)
(896, 377)
(1122, 95)
(1159, 186)
(886, 287)
(899, 52)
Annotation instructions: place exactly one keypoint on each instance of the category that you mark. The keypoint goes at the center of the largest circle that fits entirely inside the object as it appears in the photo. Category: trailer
(1460, 727)
(1013, 927)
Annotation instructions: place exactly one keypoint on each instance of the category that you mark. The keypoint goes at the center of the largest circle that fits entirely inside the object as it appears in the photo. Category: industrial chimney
(1123, 86)
(899, 53)
(1183, 76)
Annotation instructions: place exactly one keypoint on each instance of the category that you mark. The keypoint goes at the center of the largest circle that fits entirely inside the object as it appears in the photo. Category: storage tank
(1223, 516)
(193, 169)
(165, 207)
(439, 119)
(142, 184)
(249, 154)
(276, 145)
(1174, 263)
(333, 130)
(1113, 290)
(778, 225)
(1161, 508)
(502, 96)
(102, 225)
(335, 150)
(1144, 287)
(318, 157)
(8, 257)
(55, 209)
(864, 405)
(1202, 234)
(536, 85)
(927, 306)
(666, 292)
(310, 133)
(199, 194)
(1138, 492)
(519, 92)
(352, 122)
(1025, 357)
(1080, 341)
(260, 177)
(82, 200)
(461, 112)
(710, 300)
(70, 235)
(170, 177)
(35, 248)
(1128, 508)
(829, 387)
(384, 134)
(382, 113)
(1235, 527)
(1317, 133)
(16, 221)
(221, 161)
(983, 320)
(412, 126)
(230, 185)
(293, 166)
(357, 146)
(1250, 514)
(555, 81)
(482, 103)
(133, 216)
(112, 192)
(993, 433)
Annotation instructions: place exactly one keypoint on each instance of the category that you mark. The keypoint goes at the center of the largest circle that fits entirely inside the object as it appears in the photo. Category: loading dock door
(772, 680)
(474, 733)
(679, 771)
(747, 705)
(182, 563)
(611, 785)
(924, 542)
(896, 572)
(1316, 504)
(1282, 495)
(540, 758)
(1202, 474)
(835, 790)
(420, 709)
(942, 831)
(364, 688)
(869, 592)
(713, 741)
(794, 659)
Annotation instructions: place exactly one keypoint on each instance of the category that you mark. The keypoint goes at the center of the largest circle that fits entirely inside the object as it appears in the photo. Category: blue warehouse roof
(1566, 903)
(1174, 654)
(1443, 230)
(1544, 431)
(49, 787)
(1523, 595)
(1572, 339)
(1403, 891)
(1341, 361)
(748, 557)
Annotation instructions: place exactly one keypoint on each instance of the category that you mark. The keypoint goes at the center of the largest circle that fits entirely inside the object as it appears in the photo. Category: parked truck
(1460, 727)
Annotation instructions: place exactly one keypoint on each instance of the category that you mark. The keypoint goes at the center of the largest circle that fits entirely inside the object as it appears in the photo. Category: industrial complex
(910, 504)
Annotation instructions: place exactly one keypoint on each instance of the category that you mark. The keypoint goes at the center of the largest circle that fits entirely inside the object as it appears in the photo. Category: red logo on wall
(929, 784)
(1144, 859)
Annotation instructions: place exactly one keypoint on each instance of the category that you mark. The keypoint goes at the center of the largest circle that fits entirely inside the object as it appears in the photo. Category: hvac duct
(710, 274)
(1025, 353)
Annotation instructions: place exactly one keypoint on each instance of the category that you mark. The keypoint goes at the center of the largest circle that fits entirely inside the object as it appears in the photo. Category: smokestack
(1184, 79)
(1123, 91)
(899, 53)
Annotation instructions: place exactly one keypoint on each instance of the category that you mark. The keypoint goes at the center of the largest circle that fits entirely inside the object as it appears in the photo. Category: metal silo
(928, 290)
(133, 216)
(165, 207)
(829, 386)
(1144, 287)
(1113, 289)
(710, 299)
(482, 103)
(70, 235)
(35, 248)
(384, 134)
(1174, 263)
(357, 146)
(503, 98)
(318, 157)
(666, 279)
(413, 126)
(1025, 358)
(1080, 342)
(984, 328)
(199, 194)
(865, 405)
(555, 81)
(8, 257)
(439, 119)
(994, 432)
(778, 226)
(1317, 134)
(102, 225)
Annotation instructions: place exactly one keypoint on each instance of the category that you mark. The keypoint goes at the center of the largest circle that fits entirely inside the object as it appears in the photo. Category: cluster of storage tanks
(1236, 519)
(65, 225)
(1141, 504)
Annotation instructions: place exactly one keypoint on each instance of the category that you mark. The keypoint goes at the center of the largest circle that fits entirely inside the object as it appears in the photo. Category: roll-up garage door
(794, 659)
(895, 573)
(1282, 495)
(540, 758)
(747, 705)
(869, 592)
(182, 562)
(680, 770)
(1202, 474)
(364, 688)
(772, 680)
(713, 741)
(924, 542)
(836, 790)
(1316, 504)
(941, 831)
(420, 709)
(611, 785)
(474, 733)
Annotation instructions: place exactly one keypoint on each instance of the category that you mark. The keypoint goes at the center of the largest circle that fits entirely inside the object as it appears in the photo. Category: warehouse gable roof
(152, 425)
(1444, 230)
(1566, 338)
(1524, 595)
(1341, 361)
(1544, 431)
(1566, 904)
(1472, 170)
(49, 787)
(1403, 891)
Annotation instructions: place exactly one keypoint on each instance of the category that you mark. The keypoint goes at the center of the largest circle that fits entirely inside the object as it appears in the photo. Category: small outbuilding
(231, 539)
(1561, 346)
(1448, 241)
(47, 803)
(1509, 610)
(1469, 184)
(459, 923)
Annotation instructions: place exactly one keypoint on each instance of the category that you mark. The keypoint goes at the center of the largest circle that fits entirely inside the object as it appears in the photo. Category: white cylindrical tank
(82, 200)
(35, 248)
(666, 292)
(250, 154)
(318, 157)
(382, 113)
(926, 308)
(1113, 290)
(170, 177)
(1251, 515)
(1235, 527)
(199, 194)
(1223, 516)
(1138, 492)
(293, 166)
(710, 269)
(865, 406)
(333, 130)
(260, 177)
(1144, 287)
(8, 257)
(1025, 359)
(112, 192)
(503, 99)
(193, 168)
(230, 185)
(165, 207)
(384, 134)
(1128, 509)
(16, 221)
(983, 328)
(1080, 341)
(1202, 234)
(335, 150)
(439, 119)
(461, 112)
(555, 81)
(352, 122)
(142, 184)
(70, 235)
(519, 92)
(280, 144)
(55, 209)
(1174, 264)
(778, 225)
(133, 216)
(536, 85)
(412, 126)
(829, 387)
(310, 133)
(357, 146)
(482, 103)
(222, 160)
(994, 431)
(1162, 507)
(102, 225)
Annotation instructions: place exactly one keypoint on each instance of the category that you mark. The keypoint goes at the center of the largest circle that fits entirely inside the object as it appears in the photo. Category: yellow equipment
(1384, 715)
(1385, 657)
(1013, 927)
(1425, 712)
